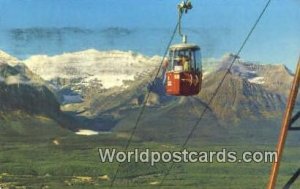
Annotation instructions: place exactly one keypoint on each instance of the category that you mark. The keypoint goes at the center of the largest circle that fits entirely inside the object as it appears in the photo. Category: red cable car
(184, 71)
(183, 75)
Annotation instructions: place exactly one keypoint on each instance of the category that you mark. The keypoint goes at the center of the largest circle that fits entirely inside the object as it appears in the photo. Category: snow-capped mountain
(8, 59)
(83, 76)
(94, 69)
(95, 83)
(110, 68)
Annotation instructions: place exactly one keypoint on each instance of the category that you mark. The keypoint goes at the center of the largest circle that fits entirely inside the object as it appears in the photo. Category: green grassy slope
(74, 163)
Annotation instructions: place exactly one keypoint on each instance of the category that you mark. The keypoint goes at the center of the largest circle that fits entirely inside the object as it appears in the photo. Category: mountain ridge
(22, 90)
(246, 94)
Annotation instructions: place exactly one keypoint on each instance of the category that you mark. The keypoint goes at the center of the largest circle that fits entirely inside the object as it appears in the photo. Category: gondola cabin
(184, 70)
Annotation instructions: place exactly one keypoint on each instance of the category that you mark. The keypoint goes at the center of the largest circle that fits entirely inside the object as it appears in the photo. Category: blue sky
(218, 26)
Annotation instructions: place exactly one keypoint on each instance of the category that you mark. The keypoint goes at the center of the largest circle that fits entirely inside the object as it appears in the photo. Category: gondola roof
(184, 46)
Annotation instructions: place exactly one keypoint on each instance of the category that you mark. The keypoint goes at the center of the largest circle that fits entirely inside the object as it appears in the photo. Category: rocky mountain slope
(25, 92)
(238, 98)
(20, 91)
(276, 78)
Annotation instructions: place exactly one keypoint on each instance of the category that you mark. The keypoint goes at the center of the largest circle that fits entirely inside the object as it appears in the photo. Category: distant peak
(6, 58)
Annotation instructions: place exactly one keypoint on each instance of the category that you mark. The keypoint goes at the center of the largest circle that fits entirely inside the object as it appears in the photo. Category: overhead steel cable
(217, 89)
(145, 102)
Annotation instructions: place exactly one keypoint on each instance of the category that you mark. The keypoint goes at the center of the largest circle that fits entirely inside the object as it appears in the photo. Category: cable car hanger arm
(183, 7)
